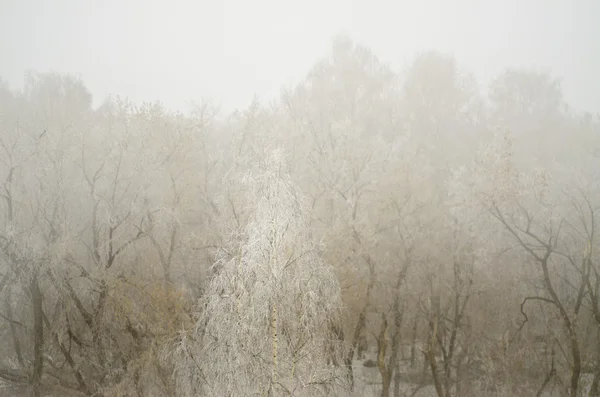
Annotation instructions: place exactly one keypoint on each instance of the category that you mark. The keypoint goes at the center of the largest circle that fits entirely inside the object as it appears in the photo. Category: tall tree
(266, 317)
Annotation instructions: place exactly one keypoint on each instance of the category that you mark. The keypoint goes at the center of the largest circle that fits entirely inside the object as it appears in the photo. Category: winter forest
(371, 232)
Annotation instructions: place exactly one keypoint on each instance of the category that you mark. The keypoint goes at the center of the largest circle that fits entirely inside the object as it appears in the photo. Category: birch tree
(265, 321)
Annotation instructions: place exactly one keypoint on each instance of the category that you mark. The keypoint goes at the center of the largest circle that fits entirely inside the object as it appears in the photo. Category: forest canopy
(370, 232)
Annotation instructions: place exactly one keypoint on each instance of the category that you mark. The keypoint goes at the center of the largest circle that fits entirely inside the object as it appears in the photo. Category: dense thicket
(404, 227)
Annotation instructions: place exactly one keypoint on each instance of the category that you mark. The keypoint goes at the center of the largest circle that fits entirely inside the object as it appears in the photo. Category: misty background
(271, 198)
(228, 51)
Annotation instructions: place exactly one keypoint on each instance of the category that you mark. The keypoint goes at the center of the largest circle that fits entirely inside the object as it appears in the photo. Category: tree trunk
(595, 387)
(38, 335)
(388, 369)
(413, 345)
(360, 324)
(433, 344)
(439, 390)
(385, 386)
(386, 375)
(576, 371)
(13, 329)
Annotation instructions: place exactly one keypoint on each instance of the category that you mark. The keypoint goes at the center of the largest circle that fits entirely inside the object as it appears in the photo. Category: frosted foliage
(266, 318)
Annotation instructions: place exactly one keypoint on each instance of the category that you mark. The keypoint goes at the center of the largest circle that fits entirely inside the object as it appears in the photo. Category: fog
(231, 50)
(303, 199)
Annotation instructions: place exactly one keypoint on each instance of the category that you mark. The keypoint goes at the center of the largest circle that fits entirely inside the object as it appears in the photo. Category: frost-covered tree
(267, 321)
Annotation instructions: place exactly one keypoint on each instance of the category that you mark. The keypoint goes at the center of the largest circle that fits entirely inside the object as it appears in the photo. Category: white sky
(180, 50)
